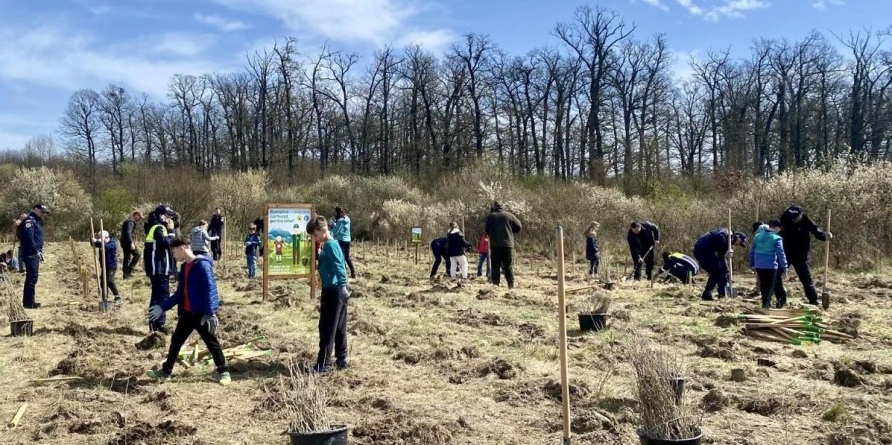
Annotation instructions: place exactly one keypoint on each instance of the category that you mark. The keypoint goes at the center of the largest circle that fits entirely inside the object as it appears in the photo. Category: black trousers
(332, 327)
(160, 292)
(803, 271)
(593, 265)
(216, 250)
(108, 281)
(131, 259)
(648, 265)
(187, 323)
(502, 261)
(345, 247)
(437, 260)
(771, 283)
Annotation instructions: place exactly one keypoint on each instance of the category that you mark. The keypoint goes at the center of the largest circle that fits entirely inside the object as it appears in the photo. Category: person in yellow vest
(678, 266)
(159, 262)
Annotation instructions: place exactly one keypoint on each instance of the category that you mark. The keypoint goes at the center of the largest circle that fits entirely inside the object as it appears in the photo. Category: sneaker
(33, 306)
(118, 301)
(224, 378)
(341, 364)
(707, 298)
(320, 369)
(158, 374)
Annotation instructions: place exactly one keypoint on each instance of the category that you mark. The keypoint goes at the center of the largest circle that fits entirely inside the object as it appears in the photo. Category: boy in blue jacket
(111, 265)
(197, 303)
(335, 296)
(252, 243)
(767, 257)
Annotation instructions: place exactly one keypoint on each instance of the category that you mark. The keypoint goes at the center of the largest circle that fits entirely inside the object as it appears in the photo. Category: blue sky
(51, 48)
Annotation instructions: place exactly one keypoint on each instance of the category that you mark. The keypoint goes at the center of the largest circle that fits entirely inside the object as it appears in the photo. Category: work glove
(729, 254)
(640, 260)
(343, 293)
(657, 243)
(40, 255)
(155, 312)
(133, 247)
(829, 236)
(212, 321)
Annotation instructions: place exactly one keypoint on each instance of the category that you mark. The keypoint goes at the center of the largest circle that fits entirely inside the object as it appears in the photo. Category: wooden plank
(18, 416)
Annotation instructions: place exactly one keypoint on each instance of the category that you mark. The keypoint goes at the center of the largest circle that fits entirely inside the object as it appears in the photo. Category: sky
(51, 48)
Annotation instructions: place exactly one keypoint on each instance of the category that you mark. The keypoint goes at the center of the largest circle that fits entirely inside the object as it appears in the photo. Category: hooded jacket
(111, 253)
(200, 286)
(641, 242)
(768, 250)
(501, 227)
(201, 239)
(797, 236)
(456, 243)
(341, 230)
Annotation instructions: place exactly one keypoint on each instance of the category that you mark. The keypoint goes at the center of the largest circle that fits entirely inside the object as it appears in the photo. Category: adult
(30, 234)
(711, 251)
(440, 250)
(128, 244)
(767, 258)
(644, 239)
(680, 267)
(215, 229)
(341, 233)
(457, 246)
(258, 223)
(501, 227)
(159, 262)
(797, 231)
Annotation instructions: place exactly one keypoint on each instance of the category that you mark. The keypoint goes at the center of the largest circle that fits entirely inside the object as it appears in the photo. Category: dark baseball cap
(42, 207)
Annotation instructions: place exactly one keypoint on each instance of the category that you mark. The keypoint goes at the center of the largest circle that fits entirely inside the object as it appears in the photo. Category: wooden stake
(57, 379)
(562, 327)
(825, 294)
(18, 416)
(730, 260)
(96, 263)
(104, 265)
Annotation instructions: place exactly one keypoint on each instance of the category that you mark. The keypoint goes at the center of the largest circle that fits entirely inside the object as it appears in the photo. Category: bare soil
(443, 363)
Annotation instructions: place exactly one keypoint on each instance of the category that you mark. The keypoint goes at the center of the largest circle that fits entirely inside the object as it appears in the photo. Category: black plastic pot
(678, 386)
(592, 322)
(22, 328)
(337, 435)
(642, 437)
(608, 286)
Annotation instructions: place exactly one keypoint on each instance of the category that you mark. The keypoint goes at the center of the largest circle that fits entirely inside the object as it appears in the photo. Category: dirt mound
(156, 340)
(766, 407)
(406, 428)
(145, 433)
(871, 282)
(501, 368)
(849, 323)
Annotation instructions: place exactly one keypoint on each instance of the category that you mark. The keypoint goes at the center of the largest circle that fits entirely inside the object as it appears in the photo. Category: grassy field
(436, 363)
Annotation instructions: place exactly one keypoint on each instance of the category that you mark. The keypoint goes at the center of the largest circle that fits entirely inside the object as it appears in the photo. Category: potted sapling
(594, 315)
(19, 322)
(306, 403)
(664, 417)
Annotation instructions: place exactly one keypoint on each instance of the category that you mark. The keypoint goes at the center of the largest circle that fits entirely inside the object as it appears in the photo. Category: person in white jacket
(201, 240)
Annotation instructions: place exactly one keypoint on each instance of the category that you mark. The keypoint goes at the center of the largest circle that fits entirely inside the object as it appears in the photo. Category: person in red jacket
(483, 250)
(197, 302)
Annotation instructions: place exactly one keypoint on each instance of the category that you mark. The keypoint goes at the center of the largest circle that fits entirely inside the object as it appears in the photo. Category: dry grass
(434, 364)
(598, 303)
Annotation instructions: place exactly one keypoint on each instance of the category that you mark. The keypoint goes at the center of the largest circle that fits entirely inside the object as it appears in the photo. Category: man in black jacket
(644, 239)
(797, 233)
(501, 227)
(128, 244)
(215, 228)
(441, 252)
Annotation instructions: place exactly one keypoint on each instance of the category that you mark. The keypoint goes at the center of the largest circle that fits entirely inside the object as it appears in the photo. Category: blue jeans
(481, 262)
(32, 272)
(160, 292)
(252, 265)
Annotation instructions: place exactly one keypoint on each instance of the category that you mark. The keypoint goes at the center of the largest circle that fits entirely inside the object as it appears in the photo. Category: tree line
(599, 102)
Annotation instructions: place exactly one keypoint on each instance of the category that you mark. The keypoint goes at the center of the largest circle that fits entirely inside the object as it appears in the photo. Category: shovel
(825, 293)
(730, 291)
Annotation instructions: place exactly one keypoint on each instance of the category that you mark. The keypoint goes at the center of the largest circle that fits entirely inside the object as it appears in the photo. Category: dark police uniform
(30, 234)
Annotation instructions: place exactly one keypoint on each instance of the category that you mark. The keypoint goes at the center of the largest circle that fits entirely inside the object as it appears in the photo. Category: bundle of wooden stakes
(793, 326)
(246, 351)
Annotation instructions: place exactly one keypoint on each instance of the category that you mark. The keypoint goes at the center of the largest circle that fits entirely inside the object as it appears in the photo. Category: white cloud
(372, 21)
(179, 44)
(735, 9)
(821, 5)
(221, 23)
(657, 4)
(52, 56)
(690, 6)
(436, 41)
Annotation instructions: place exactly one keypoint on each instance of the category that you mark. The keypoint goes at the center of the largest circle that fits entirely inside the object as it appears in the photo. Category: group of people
(495, 248)
(777, 246)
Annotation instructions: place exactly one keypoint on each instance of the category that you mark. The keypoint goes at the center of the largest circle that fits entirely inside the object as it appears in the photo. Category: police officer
(711, 251)
(680, 266)
(30, 234)
(798, 229)
(643, 239)
(159, 262)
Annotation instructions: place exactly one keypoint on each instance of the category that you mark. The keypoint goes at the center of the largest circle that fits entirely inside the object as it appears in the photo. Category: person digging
(197, 303)
(711, 251)
(798, 229)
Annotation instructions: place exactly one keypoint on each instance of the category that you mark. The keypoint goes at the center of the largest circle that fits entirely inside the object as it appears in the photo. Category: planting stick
(562, 323)
(104, 265)
(95, 260)
(825, 294)
(579, 289)
(730, 260)
(57, 379)
(18, 416)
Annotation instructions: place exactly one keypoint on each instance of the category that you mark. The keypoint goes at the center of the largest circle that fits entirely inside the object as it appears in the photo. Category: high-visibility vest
(150, 235)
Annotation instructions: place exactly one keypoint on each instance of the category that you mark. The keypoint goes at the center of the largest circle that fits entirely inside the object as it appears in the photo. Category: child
(341, 232)
(197, 303)
(593, 249)
(483, 250)
(756, 290)
(438, 248)
(111, 265)
(201, 239)
(335, 296)
(280, 245)
(252, 243)
(768, 259)
(457, 244)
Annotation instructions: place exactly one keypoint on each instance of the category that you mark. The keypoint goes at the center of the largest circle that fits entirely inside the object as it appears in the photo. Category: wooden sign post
(416, 240)
(562, 328)
(286, 231)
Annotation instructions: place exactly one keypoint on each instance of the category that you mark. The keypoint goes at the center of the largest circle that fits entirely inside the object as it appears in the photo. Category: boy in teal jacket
(335, 296)
(770, 263)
